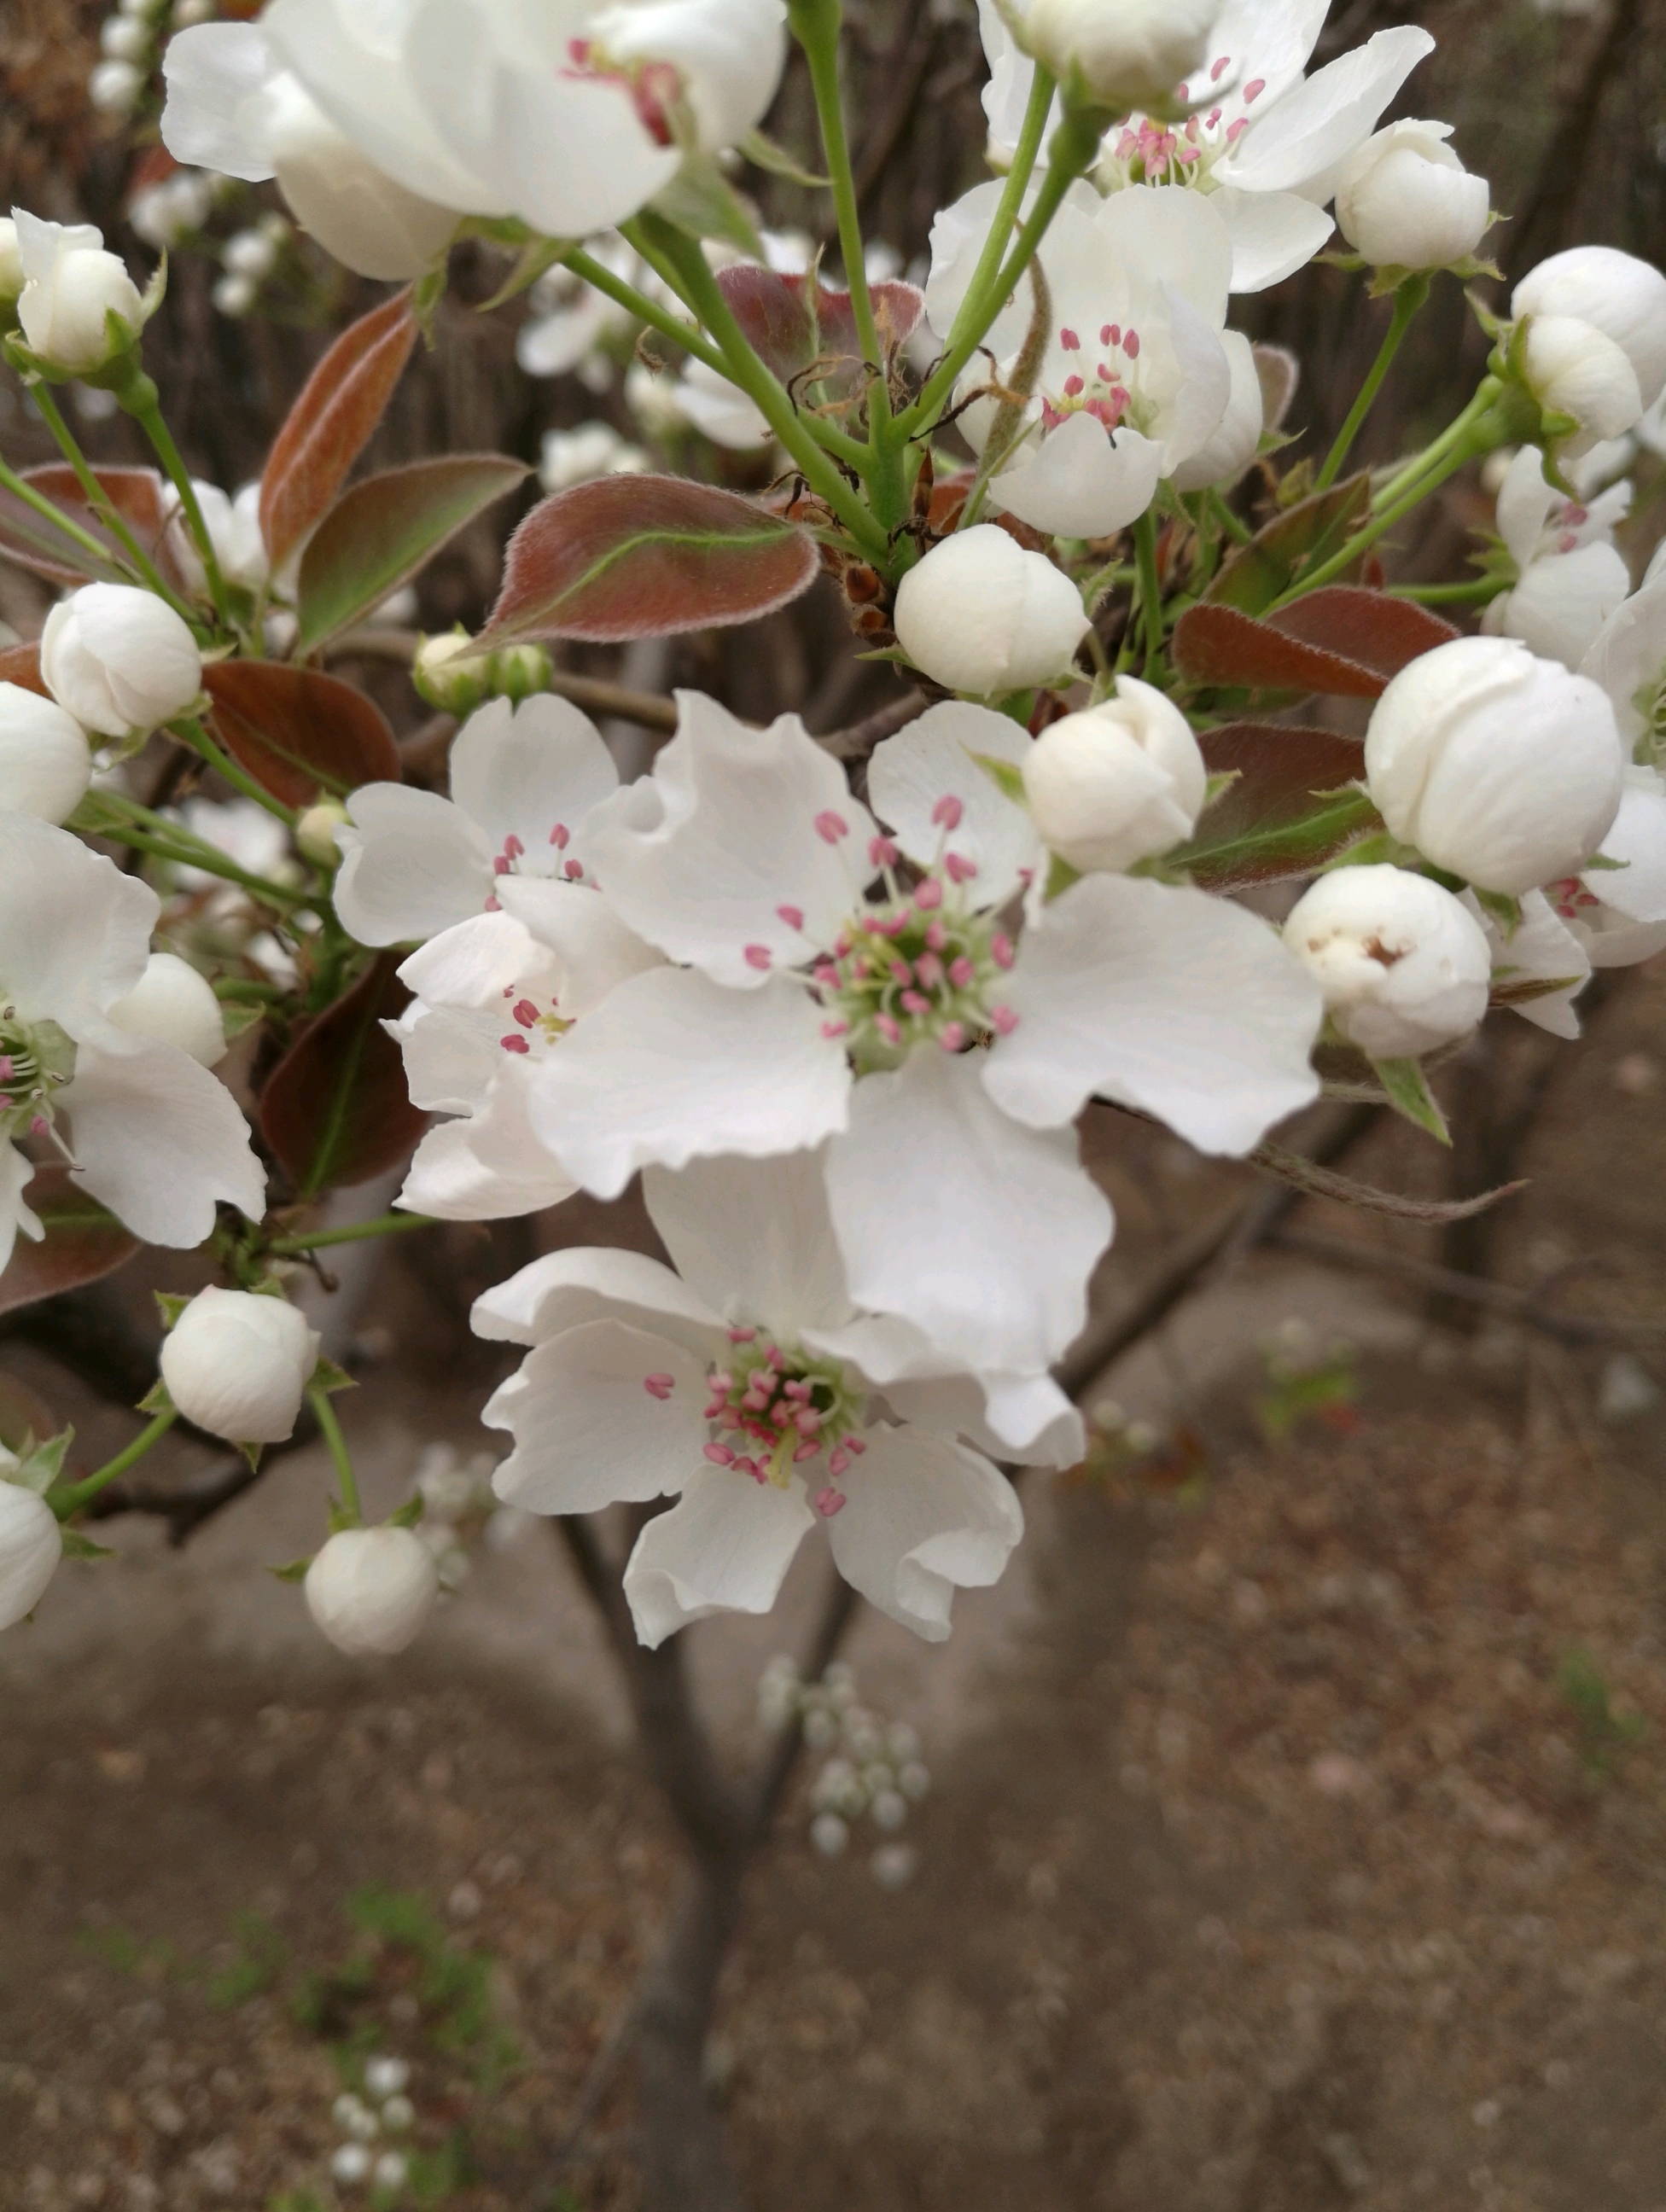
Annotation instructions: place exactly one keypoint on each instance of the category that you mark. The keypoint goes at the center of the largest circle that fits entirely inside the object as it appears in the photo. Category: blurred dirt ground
(1297, 1837)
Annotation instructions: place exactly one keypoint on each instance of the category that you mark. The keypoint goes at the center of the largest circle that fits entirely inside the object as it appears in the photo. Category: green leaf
(295, 1572)
(378, 535)
(699, 200)
(84, 1242)
(764, 154)
(1298, 540)
(77, 1547)
(1408, 1093)
(337, 1108)
(536, 255)
(1327, 837)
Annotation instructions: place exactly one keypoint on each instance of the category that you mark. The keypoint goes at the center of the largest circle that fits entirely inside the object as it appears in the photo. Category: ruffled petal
(672, 1067)
(1300, 143)
(980, 1232)
(1273, 234)
(586, 1283)
(412, 864)
(754, 1238)
(923, 1518)
(1081, 481)
(937, 757)
(530, 771)
(1167, 237)
(724, 1548)
(476, 963)
(75, 932)
(1629, 656)
(160, 1140)
(469, 1171)
(589, 1430)
(591, 952)
(1181, 1005)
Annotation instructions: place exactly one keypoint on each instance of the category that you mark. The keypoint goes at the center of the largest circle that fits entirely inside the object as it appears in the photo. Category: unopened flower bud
(1405, 201)
(31, 1546)
(451, 674)
(1126, 53)
(113, 88)
(371, 1589)
(1403, 966)
(1574, 370)
(119, 659)
(315, 832)
(981, 615)
(46, 763)
(1502, 768)
(234, 295)
(1117, 782)
(172, 1003)
(1617, 293)
(237, 1363)
(71, 287)
(519, 670)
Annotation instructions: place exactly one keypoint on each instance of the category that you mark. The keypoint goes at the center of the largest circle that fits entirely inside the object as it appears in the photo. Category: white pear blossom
(1570, 578)
(233, 529)
(174, 1003)
(809, 1009)
(750, 1385)
(1134, 380)
(1616, 294)
(46, 762)
(119, 659)
(1616, 909)
(1405, 201)
(237, 1363)
(71, 287)
(981, 614)
(1404, 968)
(31, 1546)
(1117, 782)
(1540, 966)
(370, 1591)
(523, 779)
(1628, 658)
(594, 449)
(149, 1131)
(234, 107)
(1503, 768)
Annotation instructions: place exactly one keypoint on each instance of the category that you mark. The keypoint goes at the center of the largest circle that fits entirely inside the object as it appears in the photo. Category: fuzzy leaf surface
(327, 428)
(299, 732)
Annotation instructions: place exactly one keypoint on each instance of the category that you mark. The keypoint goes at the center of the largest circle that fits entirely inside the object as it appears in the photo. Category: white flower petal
(1301, 142)
(591, 952)
(75, 932)
(1636, 890)
(474, 962)
(1081, 481)
(923, 1518)
(672, 1067)
(1022, 1417)
(1273, 234)
(724, 1548)
(1542, 949)
(737, 875)
(1165, 999)
(754, 1238)
(1167, 237)
(159, 1139)
(461, 1172)
(520, 771)
(981, 1233)
(412, 865)
(213, 72)
(589, 1430)
(937, 757)
(1629, 656)
(588, 1283)
(15, 1173)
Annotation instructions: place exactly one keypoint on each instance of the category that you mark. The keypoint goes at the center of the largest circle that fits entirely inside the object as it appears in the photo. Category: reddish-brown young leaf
(36, 544)
(1290, 546)
(297, 731)
(326, 430)
(793, 320)
(20, 665)
(1218, 645)
(1289, 809)
(380, 533)
(83, 1242)
(644, 556)
(337, 1110)
(1371, 629)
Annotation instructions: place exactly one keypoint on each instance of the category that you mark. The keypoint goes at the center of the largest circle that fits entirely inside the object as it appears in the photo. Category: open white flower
(149, 1131)
(31, 1546)
(1133, 378)
(1541, 966)
(809, 1009)
(568, 320)
(750, 1386)
(1569, 576)
(233, 529)
(71, 289)
(594, 449)
(1616, 909)
(1628, 658)
(523, 779)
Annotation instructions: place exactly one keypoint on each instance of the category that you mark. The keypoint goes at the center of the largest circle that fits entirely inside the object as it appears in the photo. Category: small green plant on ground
(1605, 1736)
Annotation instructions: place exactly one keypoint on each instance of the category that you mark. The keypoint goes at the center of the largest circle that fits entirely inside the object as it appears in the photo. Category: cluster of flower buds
(366, 2119)
(874, 1771)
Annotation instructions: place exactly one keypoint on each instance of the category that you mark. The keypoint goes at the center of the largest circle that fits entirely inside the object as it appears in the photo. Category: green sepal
(328, 1377)
(39, 1465)
(251, 1453)
(1503, 909)
(77, 1547)
(1600, 864)
(428, 292)
(1408, 1093)
(340, 1518)
(408, 1515)
(295, 1572)
(699, 200)
(894, 654)
(1006, 775)
(1504, 992)
(1390, 277)
(156, 1399)
(1060, 877)
(170, 1304)
(238, 1016)
(536, 255)
(764, 154)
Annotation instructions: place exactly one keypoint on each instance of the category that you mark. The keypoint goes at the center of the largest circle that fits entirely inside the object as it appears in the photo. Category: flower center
(1151, 153)
(1101, 386)
(535, 1025)
(773, 1408)
(513, 860)
(922, 968)
(36, 1059)
(1570, 899)
(656, 87)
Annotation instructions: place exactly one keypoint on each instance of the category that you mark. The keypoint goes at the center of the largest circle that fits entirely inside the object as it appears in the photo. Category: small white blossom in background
(875, 1771)
(457, 1505)
(382, 2109)
(594, 449)
(173, 209)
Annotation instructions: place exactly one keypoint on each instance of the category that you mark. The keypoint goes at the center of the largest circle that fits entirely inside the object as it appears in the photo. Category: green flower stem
(1239, 530)
(384, 1225)
(1487, 393)
(324, 1413)
(188, 730)
(20, 488)
(142, 402)
(984, 294)
(602, 279)
(208, 859)
(1475, 593)
(1151, 593)
(1407, 299)
(681, 262)
(68, 1502)
(142, 566)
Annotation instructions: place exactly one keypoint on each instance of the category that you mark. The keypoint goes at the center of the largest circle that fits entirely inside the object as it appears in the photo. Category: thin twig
(858, 740)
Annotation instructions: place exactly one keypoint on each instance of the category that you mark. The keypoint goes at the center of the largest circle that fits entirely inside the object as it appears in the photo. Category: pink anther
(829, 1502)
(720, 1454)
(514, 1043)
(660, 1386)
(757, 955)
(830, 827)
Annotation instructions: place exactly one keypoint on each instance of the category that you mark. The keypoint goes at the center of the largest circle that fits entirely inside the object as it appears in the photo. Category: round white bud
(391, 2169)
(1623, 297)
(31, 1546)
(1503, 768)
(385, 2077)
(113, 88)
(371, 1589)
(234, 296)
(249, 254)
(237, 1363)
(1127, 53)
(12, 276)
(1573, 369)
(355, 211)
(119, 659)
(1405, 201)
(46, 762)
(315, 832)
(981, 615)
(173, 1004)
(1403, 966)
(124, 38)
(830, 1834)
(350, 2164)
(71, 287)
(1118, 781)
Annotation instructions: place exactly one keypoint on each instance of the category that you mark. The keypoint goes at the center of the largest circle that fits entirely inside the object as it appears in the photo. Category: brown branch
(858, 740)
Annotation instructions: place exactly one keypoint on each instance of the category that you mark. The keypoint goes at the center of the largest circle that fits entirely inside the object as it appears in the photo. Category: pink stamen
(800, 1388)
(1000, 950)
(40, 1126)
(500, 866)
(829, 1502)
(1003, 1019)
(512, 847)
(742, 1335)
(888, 1029)
(745, 1466)
(948, 811)
(514, 1043)
(806, 1420)
(961, 972)
(951, 1036)
(1074, 388)
(1254, 89)
(958, 868)
(660, 1386)
(882, 852)
(1234, 129)
(830, 827)
(928, 896)
(855, 1445)
(838, 1460)
(1219, 69)
(525, 1013)
(936, 936)
(810, 1448)
(719, 1454)
(493, 906)
(7, 1068)
(757, 955)
(558, 836)
(901, 972)
(826, 974)
(1131, 345)
(929, 970)
(791, 916)
(835, 1029)
(1070, 342)
(914, 1003)
(1211, 118)
(573, 871)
